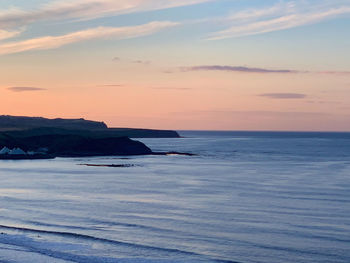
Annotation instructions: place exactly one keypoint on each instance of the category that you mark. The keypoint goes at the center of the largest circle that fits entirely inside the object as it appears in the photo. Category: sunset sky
(179, 64)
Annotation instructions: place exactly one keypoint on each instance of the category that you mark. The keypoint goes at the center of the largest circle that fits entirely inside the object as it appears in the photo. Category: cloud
(85, 9)
(283, 95)
(4, 34)
(236, 69)
(144, 62)
(283, 15)
(334, 72)
(280, 17)
(254, 70)
(51, 42)
(242, 69)
(24, 89)
(321, 102)
(138, 61)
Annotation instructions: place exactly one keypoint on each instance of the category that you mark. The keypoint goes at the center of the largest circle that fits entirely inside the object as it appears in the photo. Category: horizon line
(282, 131)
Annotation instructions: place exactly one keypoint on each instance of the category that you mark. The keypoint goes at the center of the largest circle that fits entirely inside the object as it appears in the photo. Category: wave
(30, 223)
(67, 256)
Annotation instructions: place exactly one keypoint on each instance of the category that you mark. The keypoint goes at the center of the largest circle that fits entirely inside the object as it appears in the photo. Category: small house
(4, 151)
(17, 151)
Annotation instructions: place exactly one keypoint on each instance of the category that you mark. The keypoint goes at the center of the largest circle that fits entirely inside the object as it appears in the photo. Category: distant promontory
(33, 125)
(42, 138)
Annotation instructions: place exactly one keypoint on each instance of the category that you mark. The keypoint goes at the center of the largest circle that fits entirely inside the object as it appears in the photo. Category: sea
(245, 197)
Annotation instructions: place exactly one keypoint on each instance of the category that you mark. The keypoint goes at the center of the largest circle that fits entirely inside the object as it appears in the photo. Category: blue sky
(208, 23)
(62, 47)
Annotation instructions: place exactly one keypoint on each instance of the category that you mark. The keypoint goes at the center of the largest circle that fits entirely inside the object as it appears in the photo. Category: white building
(17, 151)
(4, 151)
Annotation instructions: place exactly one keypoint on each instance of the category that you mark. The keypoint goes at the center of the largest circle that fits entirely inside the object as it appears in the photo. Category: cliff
(71, 138)
(20, 122)
(35, 126)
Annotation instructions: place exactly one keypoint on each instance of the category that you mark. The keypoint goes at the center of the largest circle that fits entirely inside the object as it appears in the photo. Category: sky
(179, 64)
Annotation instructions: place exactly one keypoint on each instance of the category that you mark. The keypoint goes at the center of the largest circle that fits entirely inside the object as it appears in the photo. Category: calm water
(246, 197)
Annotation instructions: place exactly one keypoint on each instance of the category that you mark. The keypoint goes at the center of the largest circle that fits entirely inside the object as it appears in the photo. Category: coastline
(52, 156)
(236, 189)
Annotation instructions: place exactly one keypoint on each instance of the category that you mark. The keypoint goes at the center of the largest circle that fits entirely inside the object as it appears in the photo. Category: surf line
(109, 241)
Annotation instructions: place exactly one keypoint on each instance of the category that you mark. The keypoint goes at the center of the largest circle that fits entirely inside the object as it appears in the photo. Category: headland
(41, 138)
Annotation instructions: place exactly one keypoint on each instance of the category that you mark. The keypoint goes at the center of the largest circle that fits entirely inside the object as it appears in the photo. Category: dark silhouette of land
(49, 138)
(24, 126)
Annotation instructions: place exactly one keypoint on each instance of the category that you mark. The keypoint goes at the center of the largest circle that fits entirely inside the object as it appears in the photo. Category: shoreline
(51, 156)
(26, 157)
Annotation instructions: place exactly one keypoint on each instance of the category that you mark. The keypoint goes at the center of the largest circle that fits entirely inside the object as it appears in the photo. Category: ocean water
(245, 197)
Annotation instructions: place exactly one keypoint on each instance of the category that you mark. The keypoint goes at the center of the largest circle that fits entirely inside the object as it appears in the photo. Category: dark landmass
(50, 138)
(27, 157)
(19, 122)
(75, 145)
(35, 126)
